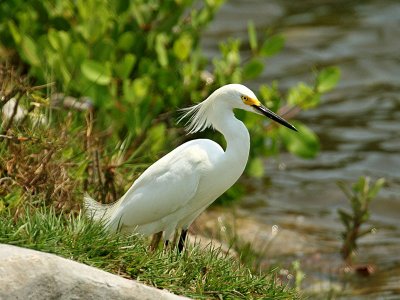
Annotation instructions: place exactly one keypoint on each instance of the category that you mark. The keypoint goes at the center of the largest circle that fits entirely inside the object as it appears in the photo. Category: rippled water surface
(358, 125)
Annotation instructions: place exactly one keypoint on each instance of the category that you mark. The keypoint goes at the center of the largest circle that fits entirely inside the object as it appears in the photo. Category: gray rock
(29, 274)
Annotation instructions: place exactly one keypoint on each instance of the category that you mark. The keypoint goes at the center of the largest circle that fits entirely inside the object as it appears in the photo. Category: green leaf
(270, 95)
(376, 188)
(303, 96)
(303, 143)
(344, 217)
(78, 53)
(136, 90)
(343, 186)
(215, 3)
(29, 51)
(81, 169)
(59, 40)
(97, 72)
(141, 86)
(361, 185)
(105, 50)
(66, 75)
(14, 32)
(272, 45)
(252, 35)
(52, 38)
(256, 167)
(161, 41)
(252, 69)
(65, 39)
(126, 41)
(183, 46)
(157, 135)
(327, 79)
(124, 67)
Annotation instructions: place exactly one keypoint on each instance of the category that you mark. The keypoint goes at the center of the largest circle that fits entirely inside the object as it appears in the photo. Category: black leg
(166, 243)
(182, 240)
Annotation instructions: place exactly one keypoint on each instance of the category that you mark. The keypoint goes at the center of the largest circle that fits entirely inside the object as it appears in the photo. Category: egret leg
(155, 240)
(175, 239)
(182, 240)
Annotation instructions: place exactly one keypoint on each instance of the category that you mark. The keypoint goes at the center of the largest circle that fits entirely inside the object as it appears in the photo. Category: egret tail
(98, 211)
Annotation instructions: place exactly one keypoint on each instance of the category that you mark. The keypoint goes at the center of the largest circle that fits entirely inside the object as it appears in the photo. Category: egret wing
(165, 187)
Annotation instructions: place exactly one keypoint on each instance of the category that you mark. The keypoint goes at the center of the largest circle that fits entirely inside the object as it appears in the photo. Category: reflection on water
(358, 126)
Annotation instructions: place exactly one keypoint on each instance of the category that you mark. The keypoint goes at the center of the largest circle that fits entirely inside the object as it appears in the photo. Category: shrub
(139, 61)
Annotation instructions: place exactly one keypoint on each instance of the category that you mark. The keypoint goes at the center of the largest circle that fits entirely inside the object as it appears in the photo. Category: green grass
(197, 273)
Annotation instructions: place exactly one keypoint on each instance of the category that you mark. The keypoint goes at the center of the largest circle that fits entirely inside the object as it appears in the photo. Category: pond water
(357, 123)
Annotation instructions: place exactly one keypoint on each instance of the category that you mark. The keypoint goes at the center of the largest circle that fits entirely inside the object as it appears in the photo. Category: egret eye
(246, 99)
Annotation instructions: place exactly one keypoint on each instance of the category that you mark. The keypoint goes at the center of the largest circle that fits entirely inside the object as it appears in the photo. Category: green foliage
(272, 45)
(360, 196)
(252, 36)
(127, 56)
(303, 96)
(198, 273)
(327, 79)
(299, 275)
(256, 168)
(304, 143)
(307, 97)
(141, 60)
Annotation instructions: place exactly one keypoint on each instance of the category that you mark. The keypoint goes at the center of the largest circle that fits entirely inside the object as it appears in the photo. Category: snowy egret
(173, 191)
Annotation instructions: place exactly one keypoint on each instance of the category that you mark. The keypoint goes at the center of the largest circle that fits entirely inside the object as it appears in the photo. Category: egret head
(227, 97)
(239, 96)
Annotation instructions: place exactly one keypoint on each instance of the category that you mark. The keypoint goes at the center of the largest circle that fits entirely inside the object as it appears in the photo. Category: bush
(140, 60)
(134, 59)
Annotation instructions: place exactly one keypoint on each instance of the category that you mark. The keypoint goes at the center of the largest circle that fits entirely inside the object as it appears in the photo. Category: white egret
(174, 190)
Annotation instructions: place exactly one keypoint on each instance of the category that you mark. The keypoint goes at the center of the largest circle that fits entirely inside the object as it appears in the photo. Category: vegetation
(138, 62)
(198, 273)
(360, 196)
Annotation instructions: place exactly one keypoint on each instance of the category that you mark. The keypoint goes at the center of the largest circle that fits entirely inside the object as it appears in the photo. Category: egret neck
(237, 140)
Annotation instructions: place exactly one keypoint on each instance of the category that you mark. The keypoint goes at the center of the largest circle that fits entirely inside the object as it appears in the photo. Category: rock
(29, 274)
(8, 110)
(20, 113)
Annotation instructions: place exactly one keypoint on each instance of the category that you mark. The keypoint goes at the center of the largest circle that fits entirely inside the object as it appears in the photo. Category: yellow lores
(173, 191)
(250, 101)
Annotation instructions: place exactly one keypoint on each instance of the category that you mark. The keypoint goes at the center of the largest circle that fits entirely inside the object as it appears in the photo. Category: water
(358, 126)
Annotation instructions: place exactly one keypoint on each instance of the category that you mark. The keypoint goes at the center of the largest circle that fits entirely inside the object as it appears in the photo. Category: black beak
(273, 116)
